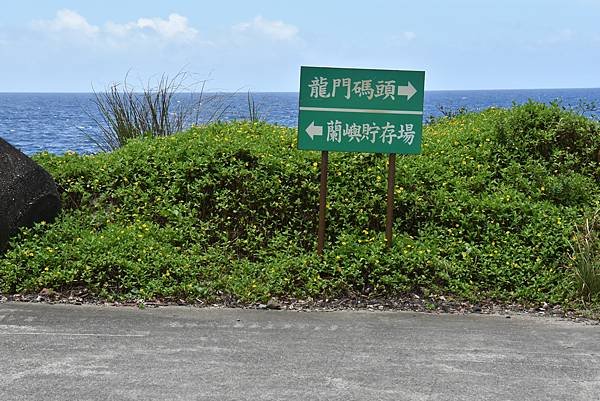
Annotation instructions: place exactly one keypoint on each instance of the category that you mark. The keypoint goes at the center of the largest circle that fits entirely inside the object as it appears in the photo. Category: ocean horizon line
(296, 92)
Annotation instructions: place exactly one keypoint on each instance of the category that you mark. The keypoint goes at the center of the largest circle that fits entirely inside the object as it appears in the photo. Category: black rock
(28, 193)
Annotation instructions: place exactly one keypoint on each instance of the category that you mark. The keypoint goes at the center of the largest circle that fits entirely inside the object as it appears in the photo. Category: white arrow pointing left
(314, 130)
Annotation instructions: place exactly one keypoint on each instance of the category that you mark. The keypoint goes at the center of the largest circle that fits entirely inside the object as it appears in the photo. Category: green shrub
(563, 141)
(231, 210)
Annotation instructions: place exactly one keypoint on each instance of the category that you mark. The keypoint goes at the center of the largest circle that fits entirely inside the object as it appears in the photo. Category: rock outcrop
(28, 193)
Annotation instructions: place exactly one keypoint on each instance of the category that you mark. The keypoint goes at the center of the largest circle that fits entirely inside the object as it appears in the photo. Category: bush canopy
(488, 210)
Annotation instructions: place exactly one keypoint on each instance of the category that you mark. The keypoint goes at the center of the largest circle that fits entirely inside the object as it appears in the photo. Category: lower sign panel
(360, 132)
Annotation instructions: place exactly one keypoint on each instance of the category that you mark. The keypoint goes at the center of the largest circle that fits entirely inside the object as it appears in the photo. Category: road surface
(61, 352)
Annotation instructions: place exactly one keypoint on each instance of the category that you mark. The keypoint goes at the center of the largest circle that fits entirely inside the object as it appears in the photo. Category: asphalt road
(60, 352)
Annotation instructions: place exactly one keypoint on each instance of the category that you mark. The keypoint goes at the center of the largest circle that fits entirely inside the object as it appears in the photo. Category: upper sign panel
(360, 110)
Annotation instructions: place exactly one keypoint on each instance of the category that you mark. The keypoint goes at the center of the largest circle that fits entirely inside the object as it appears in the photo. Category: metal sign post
(360, 110)
(322, 202)
(389, 217)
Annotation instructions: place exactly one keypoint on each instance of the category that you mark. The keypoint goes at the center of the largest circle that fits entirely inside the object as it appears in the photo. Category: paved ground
(59, 352)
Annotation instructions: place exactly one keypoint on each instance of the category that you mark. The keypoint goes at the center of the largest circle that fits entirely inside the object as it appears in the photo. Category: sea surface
(60, 122)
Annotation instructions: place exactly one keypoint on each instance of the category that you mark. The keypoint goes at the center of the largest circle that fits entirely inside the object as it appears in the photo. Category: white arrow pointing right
(408, 91)
(314, 130)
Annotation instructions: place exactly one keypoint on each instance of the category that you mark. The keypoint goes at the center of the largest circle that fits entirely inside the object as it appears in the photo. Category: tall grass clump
(253, 114)
(586, 257)
(126, 112)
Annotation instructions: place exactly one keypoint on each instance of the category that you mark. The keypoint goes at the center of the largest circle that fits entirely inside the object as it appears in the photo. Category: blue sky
(259, 45)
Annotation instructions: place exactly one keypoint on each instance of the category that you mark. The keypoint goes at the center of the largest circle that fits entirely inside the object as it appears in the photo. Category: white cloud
(276, 30)
(408, 36)
(176, 27)
(67, 21)
(565, 35)
(558, 37)
(402, 38)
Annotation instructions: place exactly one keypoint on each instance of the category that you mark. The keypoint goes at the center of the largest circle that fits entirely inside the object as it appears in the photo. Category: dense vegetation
(490, 209)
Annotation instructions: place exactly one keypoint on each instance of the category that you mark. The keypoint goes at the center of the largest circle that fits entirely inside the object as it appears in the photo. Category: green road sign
(360, 110)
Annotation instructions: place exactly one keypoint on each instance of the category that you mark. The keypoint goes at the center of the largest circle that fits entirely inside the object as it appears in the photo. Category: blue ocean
(59, 122)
